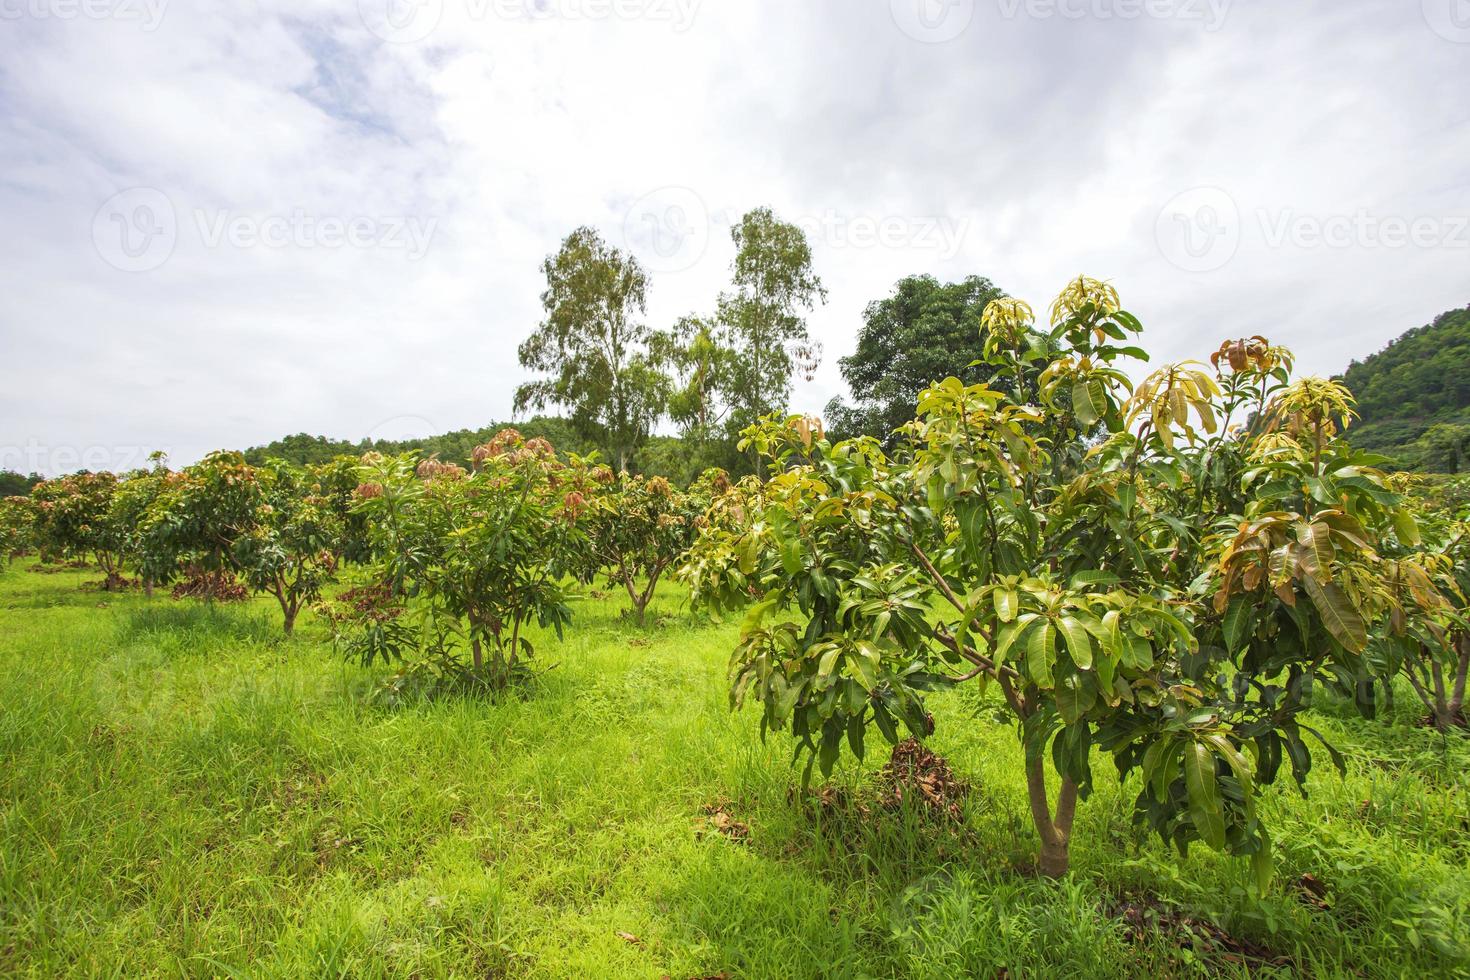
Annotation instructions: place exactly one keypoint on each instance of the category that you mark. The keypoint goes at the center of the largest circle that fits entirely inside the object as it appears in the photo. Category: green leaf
(828, 661)
(1337, 612)
(1079, 641)
(1006, 604)
(1082, 405)
(1204, 795)
(1041, 654)
(1239, 621)
(1405, 527)
(1261, 863)
(1076, 696)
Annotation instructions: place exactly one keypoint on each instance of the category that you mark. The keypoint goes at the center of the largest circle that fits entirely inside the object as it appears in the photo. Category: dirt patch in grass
(1145, 919)
(718, 819)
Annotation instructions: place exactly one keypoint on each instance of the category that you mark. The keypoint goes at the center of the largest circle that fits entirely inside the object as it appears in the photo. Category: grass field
(184, 793)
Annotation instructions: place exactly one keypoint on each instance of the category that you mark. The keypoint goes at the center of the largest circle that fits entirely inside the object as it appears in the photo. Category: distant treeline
(673, 457)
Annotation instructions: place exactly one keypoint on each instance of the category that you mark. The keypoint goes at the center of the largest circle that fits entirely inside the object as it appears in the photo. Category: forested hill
(1418, 383)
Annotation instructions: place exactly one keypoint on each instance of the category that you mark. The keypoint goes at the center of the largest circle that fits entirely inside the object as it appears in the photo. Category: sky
(232, 221)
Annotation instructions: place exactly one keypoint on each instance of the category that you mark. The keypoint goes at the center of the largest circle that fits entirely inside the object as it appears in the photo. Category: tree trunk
(147, 587)
(1055, 832)
(640, 603)
(1462, 674)
(476, 653)
(290, 619)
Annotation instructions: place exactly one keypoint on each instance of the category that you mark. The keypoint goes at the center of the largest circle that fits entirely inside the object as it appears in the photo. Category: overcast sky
(231, 221)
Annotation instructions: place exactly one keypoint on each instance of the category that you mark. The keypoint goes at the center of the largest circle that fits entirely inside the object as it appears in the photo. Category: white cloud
(1033, 146)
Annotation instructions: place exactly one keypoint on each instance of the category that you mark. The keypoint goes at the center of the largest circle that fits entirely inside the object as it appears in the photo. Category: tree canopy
(924, 330)
(591, 346)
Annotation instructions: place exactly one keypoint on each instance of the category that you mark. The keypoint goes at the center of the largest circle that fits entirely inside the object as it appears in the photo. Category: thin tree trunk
(476, 653)
(1055, 832)
(1457, 699)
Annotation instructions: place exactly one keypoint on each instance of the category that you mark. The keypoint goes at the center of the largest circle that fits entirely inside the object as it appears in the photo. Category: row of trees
(280, 529)
(1167, 573)
(473, 552)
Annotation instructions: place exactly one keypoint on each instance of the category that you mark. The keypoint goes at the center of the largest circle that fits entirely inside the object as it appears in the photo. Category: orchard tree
(74, 517)
(593, 346)
(193, 525)
(17, 527)
(486, 550)
(1427, 569)
(290, 550)
(638, 528)
(135, 496)
(1171, 592)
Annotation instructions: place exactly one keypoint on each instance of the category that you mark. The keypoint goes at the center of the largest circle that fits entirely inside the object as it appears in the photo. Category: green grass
(183, 793)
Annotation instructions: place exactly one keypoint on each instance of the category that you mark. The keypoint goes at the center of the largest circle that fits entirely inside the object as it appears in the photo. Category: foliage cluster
(1165, 573)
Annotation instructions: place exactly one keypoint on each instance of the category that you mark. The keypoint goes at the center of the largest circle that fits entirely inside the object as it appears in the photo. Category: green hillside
(1414, 396)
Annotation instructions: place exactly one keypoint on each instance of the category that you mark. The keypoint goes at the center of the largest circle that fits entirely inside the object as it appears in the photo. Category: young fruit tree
(485, 551)
(192, 526)
(1166, 574)
(1428, 570)
(290, 550)
(74, 517)
(136, 494)
(638, 529)
(17, 518)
